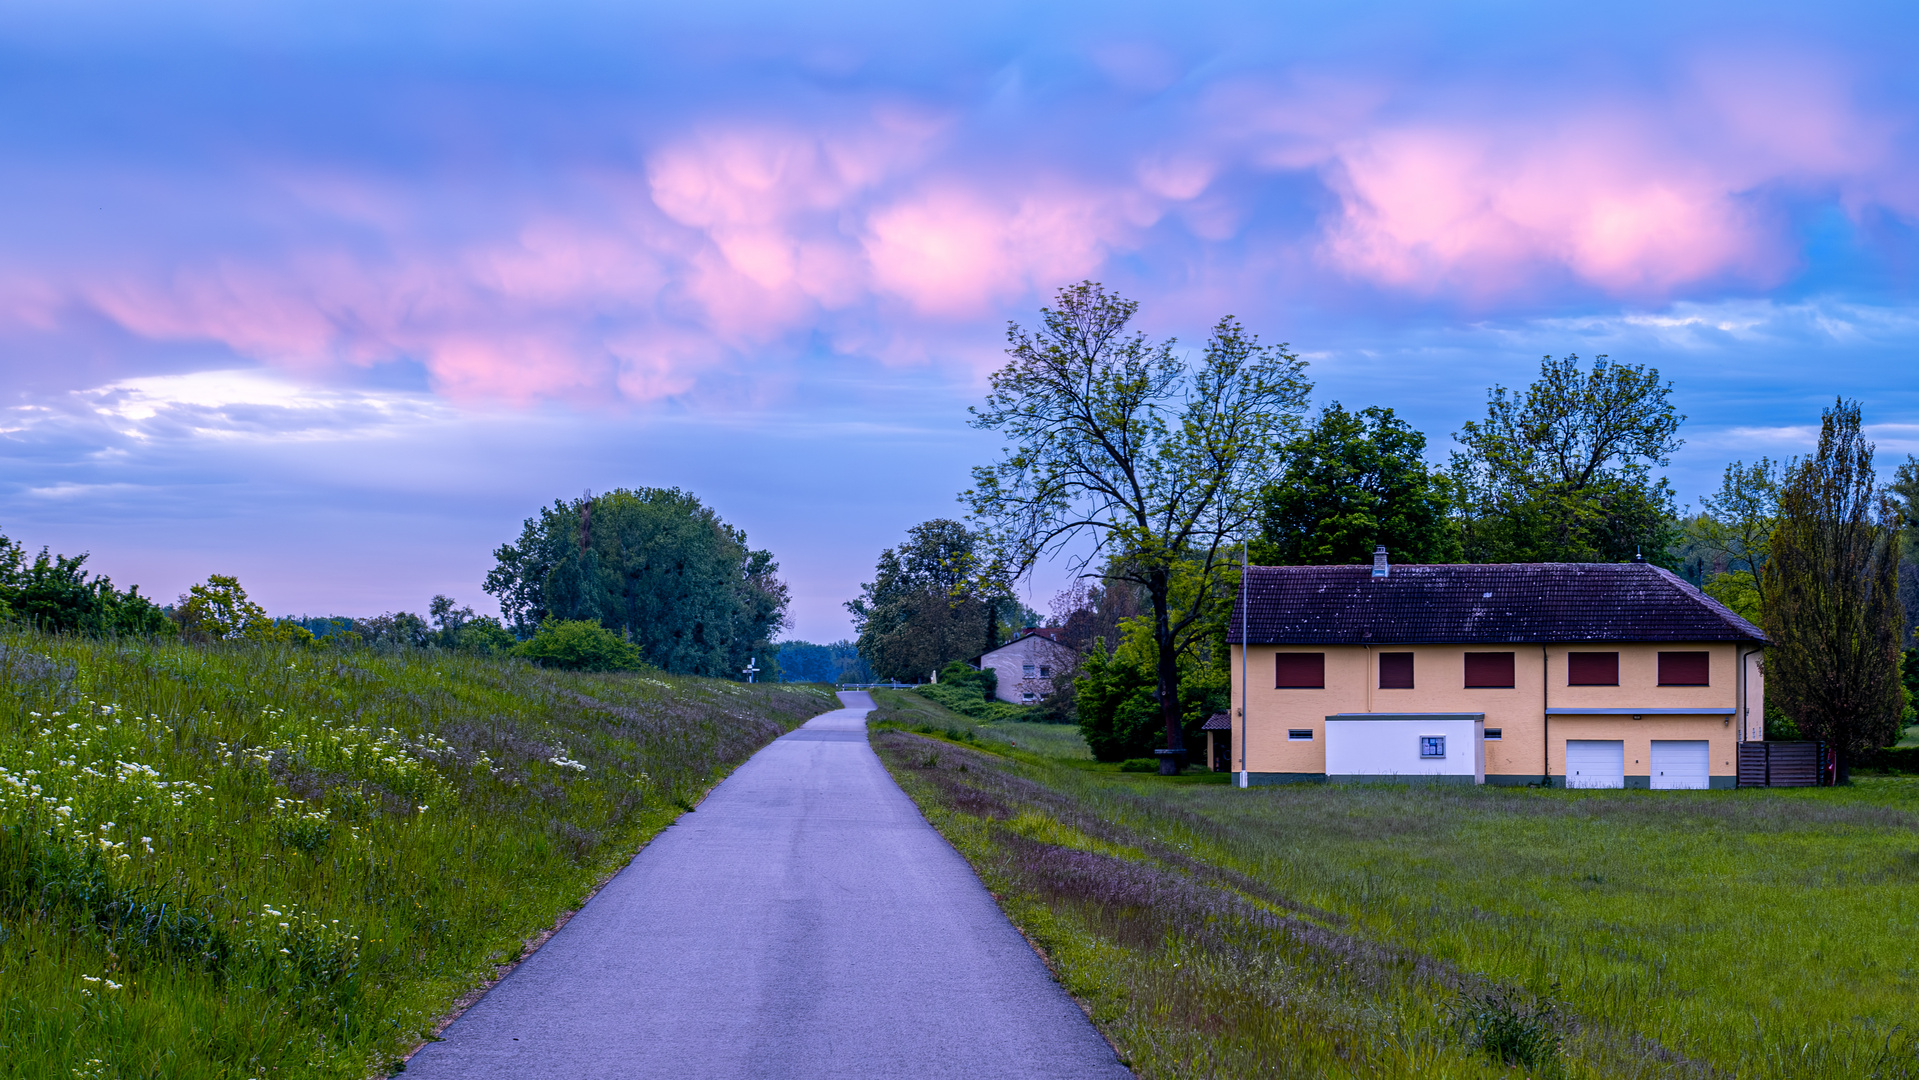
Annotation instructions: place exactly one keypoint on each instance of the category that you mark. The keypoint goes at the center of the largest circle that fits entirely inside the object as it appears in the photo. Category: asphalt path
(805, 921)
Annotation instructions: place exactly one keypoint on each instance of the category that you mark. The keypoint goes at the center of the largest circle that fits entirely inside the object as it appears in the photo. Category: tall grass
(258, 861)
(1386, 931)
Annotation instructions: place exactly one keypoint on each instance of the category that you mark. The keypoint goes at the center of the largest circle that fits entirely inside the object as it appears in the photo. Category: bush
(1513, 1027)
(1139, 764)
(580, 645)
(1892, 759)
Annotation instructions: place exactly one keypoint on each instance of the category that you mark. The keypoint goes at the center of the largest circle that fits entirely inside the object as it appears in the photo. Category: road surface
(805, 921)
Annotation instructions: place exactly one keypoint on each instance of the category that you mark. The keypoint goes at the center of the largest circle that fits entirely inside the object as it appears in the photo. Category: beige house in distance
(1560, 674)
(1027, 665)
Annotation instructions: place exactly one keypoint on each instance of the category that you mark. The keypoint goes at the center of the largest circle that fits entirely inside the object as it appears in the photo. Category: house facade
(1028, 664)
(1557, 674)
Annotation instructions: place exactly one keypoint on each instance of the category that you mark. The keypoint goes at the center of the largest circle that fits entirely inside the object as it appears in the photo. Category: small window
(1592, 669)
(1045, 671)
(1029, 671)
(1489, 670)
(1395, 671)
(1300, 671)
(1028, 698)
(1685, 669)
(1493, 734)
(1300, 734)
(1432, 746)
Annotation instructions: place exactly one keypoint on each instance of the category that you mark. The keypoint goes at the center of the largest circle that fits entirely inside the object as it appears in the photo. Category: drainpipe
(1245, 647)
(1546, 716)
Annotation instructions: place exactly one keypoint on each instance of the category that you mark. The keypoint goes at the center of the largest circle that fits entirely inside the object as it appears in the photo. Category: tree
(1120, 451)
(55, 594)
(654, 565)
(1563, 473)
(933, 600)
(218, 609)
(1904, 490)
(1832, 604)
(1353, 481)
(1735, 533)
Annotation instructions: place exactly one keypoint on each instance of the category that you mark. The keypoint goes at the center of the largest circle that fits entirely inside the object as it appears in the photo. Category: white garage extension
(1681, 765)
(1595, 763)
(1442, 747)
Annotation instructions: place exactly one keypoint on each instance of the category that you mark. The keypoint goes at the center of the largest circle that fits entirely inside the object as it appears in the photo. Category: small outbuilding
(1027, 665)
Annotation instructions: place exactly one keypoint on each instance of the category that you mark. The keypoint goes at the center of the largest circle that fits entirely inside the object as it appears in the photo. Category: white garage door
(1677, 764)
(1595, 763)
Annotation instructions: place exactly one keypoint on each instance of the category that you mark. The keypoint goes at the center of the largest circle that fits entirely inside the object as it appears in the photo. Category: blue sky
(330, 296)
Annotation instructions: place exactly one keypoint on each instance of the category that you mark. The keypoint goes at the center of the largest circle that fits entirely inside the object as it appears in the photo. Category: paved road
(805, 921)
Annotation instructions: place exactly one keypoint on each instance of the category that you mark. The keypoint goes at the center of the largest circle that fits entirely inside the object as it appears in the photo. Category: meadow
(245, 861)
(1399, 931)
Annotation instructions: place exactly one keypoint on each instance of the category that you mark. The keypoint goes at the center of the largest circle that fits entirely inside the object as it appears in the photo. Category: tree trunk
(1169, 763)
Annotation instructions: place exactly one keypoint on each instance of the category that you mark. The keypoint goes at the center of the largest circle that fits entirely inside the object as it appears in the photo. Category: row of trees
(936, 598)
(1145, 472)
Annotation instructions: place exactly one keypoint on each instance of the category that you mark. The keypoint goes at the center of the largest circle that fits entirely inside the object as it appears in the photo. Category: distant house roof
(1483, 603)
(1219, 721)
(1049, 633)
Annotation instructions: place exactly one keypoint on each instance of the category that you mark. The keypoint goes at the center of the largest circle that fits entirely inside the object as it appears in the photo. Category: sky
(332, 295)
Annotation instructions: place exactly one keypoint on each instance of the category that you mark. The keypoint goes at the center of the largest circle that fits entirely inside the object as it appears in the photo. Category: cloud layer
(520, 232)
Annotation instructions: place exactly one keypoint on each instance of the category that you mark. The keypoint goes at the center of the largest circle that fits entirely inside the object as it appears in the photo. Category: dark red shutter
(1395, 671)
(1300, 671)
(1489, 670)
(1592, 669)
(1685, 669)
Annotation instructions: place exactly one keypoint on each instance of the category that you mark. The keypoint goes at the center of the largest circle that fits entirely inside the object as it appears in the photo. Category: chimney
(1379, 561)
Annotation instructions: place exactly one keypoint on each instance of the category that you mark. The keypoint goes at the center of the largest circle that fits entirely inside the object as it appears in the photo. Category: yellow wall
(1539, 677)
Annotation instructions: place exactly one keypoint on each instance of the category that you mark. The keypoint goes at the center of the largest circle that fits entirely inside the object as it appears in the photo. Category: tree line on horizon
(1148, 472)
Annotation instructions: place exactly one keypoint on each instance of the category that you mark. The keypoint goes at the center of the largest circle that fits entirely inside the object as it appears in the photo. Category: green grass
(911, 709)
(1314, 931)
(238, 861)
(1910, 737)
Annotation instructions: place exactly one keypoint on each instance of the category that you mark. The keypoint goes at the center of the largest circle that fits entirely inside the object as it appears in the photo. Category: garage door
(1680, 764)
(1595, 763)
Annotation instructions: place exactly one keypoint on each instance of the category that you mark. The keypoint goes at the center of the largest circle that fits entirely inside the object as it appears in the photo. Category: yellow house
(1561, 674)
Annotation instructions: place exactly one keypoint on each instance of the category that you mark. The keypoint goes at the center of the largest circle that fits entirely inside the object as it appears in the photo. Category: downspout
(1546, 716)
(1245, 646)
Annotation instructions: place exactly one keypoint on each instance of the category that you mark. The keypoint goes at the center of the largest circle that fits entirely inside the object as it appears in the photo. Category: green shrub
(580, 645)
(1512, 1026)
(1139, 764)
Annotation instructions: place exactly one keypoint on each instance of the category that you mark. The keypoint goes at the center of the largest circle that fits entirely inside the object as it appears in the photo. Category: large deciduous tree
(1354, 480)
(1563, 472)
(929, 603)
(655, 566)
(1122, 452)
(1734, 533)
(1832, 603)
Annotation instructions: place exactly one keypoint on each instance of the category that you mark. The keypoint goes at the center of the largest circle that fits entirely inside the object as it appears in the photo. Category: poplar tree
(1832, 602)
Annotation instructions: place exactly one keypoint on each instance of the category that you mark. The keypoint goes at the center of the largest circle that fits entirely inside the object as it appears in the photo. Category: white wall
(1387, 744)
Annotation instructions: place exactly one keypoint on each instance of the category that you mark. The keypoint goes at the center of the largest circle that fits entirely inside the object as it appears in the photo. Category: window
(1028, 671)
(1027, 698)
(1300, 734)
(1685, 669)
(1395, 671)
(1433, 746)
(1045, 671)
(1489, 670)
(1493, 734)
(1300, 671)
(1592, 669)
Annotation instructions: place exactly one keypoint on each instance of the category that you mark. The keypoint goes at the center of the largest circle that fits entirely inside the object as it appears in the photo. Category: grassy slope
(1314, 931)
(291, 862)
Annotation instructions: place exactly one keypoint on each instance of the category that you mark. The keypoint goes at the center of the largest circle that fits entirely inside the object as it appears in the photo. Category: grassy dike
(238, 861)
(1400, 931)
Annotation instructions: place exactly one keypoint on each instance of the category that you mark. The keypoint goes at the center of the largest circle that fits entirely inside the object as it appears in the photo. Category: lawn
(1392, 931)
(244, 861)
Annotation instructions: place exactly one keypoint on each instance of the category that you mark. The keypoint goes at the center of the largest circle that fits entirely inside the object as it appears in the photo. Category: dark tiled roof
(1497, 602)
(1219, 721)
